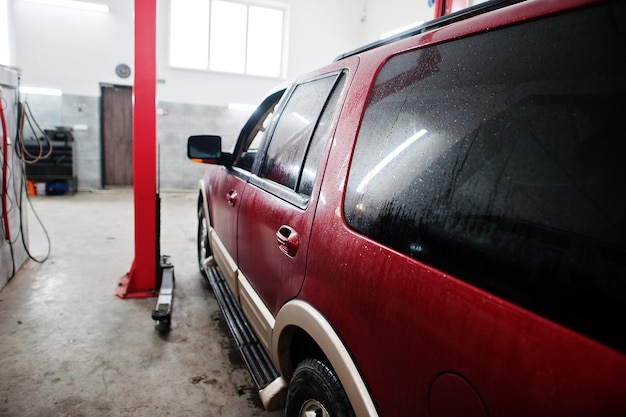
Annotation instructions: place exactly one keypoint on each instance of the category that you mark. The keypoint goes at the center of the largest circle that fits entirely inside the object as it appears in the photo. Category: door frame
(102, 146)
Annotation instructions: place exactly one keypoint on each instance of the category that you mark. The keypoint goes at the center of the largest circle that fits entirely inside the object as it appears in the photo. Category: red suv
(433, 225)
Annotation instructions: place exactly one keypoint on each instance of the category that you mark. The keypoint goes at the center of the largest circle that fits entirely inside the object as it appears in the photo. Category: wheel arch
(297, 321)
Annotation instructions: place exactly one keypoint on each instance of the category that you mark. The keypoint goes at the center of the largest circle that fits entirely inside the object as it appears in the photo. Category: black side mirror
(207, 149)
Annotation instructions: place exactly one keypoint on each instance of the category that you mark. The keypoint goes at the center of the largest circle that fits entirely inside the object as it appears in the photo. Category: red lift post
(445, 7)
(150, 274)
(440, 8)
(141, 280)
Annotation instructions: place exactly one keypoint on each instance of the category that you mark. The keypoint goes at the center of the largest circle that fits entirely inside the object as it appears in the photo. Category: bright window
(189, 33)
(265, 35)
(227, 36)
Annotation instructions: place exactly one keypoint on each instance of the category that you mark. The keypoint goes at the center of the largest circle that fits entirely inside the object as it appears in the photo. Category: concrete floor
(70, 347)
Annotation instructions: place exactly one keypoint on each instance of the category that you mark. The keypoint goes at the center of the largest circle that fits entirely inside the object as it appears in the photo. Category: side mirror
(207, 149)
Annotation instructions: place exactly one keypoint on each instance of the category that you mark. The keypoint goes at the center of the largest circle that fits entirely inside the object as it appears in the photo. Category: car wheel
(315, 391)
(204, 249)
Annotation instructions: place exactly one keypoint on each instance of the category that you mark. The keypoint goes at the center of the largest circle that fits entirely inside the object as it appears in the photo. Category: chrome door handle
(288, 240)
(231, 197)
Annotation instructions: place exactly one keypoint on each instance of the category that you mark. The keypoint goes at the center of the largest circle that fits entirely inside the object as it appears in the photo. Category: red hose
(5, 173)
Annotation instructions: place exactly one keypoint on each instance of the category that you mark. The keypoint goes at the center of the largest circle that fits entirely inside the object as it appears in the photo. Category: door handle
(231, 197)
(288, 240)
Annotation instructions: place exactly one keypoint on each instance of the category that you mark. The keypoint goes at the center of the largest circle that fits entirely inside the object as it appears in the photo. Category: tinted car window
(497, 158)
(285, 154)
(314, 153)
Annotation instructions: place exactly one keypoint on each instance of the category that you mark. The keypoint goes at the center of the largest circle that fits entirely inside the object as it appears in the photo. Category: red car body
(407, 336)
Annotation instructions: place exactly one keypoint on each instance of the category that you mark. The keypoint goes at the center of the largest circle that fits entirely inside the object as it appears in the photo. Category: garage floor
(70, 347)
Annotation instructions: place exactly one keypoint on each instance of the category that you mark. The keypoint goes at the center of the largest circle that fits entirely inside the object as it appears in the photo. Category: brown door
(117, 135)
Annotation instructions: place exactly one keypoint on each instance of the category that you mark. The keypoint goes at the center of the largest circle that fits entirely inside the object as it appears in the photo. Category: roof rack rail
(433, 24)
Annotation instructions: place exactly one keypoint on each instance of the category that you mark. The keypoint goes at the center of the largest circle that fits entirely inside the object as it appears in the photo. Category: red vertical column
(440, 8)
(141, 281)
(445, 7)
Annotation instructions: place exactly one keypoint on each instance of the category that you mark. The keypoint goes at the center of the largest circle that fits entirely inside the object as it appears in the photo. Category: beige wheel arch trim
(297, 313)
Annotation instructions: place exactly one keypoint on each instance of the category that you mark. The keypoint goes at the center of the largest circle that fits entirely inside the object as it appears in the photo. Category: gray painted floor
(70, 347)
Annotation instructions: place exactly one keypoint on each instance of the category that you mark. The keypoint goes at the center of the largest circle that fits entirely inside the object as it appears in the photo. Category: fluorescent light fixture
(41, 91)
(243, 107)
(393, 155)
(400, 30)
(74, 4)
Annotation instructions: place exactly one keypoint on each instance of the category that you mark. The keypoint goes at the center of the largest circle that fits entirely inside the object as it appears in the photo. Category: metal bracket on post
(162, 313)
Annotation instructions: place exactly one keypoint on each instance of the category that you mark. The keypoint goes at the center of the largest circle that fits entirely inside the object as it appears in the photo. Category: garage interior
(68, 345)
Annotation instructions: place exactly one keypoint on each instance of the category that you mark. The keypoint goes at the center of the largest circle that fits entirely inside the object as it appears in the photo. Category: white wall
(384, 16)
(322, 30)
(77, 50)
(70, 49)
(7, 46)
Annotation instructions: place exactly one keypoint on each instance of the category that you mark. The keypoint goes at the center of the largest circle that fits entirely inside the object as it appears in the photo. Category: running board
(256, 359)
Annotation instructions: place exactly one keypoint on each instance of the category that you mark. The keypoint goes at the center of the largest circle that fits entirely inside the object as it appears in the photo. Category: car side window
(297, 131)
(498, 159)
(316, 147)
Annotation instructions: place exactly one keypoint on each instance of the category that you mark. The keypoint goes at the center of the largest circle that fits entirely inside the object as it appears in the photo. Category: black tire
(315, 390)
(204, 249)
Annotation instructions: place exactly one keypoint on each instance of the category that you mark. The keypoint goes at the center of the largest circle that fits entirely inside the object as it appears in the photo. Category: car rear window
(498, 158)
(291, 140)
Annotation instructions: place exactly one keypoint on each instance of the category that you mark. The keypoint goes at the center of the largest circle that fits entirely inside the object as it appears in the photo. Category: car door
(277, 211)
(225, 188)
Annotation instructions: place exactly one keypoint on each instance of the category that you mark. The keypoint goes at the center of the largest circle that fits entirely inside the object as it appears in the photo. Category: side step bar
(256, 359)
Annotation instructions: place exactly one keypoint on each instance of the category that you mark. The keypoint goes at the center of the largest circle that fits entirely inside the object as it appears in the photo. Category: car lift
(150, 274)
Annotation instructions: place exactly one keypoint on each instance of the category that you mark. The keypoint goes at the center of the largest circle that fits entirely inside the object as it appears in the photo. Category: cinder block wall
(180, 121)
(68, 110)
(175, 123)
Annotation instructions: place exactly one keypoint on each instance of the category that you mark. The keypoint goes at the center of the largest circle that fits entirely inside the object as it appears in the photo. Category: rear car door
(277, 210)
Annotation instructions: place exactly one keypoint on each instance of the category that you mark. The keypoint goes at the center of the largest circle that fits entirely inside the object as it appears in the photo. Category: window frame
(282, 64)
(269, 108)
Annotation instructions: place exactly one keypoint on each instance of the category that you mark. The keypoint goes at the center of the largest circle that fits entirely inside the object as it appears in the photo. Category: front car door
(225, 189)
